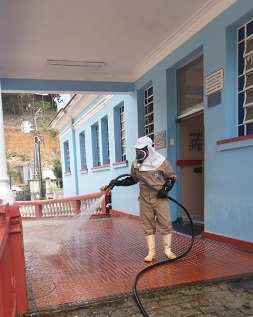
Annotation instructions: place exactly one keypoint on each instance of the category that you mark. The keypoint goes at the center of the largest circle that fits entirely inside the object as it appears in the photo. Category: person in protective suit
(154, 207)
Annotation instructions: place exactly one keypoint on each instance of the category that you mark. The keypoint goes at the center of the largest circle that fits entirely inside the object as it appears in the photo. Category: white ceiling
(128, 36)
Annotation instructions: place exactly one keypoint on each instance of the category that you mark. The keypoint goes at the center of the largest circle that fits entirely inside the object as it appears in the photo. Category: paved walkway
(234, 299)
(75, 263)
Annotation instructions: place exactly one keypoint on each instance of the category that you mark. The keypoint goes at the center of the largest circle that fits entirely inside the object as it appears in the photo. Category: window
(245, 79)
(120, 133)
(190, 86)
(149, 112)
(105, 140)
(95, 145)
(66, 156)
(83, 151)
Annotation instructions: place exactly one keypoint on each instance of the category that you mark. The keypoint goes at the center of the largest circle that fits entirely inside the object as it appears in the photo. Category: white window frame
(246, 105)
(98, 145)
(83, 150)
(248, 55)
(149, 125)
(105, 140)
(122, 132)
(66, 157)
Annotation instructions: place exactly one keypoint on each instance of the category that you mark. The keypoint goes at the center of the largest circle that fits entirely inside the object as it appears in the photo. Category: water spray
(64, 230)
(135, 292)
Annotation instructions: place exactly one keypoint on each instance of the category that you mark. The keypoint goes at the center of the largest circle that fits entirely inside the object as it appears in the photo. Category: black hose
(135, 293)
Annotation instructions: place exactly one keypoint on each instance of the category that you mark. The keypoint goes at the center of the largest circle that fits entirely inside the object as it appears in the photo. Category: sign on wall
(160, 140)
(195, 141)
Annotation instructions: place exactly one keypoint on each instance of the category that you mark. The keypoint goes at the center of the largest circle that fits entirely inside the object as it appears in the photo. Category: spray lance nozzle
(109, 187)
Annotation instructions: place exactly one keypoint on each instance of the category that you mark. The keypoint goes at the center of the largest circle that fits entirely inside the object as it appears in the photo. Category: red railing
(68, 206)
(13, 291)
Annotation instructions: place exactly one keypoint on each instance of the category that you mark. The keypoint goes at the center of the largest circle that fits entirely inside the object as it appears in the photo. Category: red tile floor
(74, 262)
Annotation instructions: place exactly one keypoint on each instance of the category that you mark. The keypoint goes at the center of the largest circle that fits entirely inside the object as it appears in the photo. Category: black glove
(168, 185)
(128, 181)
(114, 182)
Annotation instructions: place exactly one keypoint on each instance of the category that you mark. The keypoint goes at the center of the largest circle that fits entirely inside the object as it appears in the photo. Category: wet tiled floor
(74, 262)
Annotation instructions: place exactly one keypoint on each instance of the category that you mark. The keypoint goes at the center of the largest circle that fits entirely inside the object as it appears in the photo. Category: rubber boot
(166, 239)
(150, 240)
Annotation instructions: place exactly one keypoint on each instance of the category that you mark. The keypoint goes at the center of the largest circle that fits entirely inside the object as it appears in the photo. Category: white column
(6, 194)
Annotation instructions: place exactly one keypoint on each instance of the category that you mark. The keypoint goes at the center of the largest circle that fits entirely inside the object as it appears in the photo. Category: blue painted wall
(69, 179)
(123, 198)
(228, 171)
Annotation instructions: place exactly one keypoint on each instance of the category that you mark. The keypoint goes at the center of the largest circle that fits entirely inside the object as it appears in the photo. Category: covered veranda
(101, 262)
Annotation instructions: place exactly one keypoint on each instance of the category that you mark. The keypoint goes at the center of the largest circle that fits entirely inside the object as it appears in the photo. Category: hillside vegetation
(20, 146)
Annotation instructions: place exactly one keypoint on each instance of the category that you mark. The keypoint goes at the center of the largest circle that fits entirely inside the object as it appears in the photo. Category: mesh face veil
(141, 154)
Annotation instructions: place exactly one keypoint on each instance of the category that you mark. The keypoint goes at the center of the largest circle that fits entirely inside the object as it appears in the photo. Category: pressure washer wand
(109, 187)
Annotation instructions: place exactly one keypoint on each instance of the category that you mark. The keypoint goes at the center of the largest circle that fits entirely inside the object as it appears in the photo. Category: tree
(57, 170)
(22, 104)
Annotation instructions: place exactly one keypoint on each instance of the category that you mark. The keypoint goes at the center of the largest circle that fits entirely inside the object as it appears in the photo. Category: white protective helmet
(142, 147)
(142, 142)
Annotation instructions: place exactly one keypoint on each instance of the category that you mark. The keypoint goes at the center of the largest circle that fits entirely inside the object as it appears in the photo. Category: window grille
(122, 132)
(97, 145)
(108, 142)
(105, 140)
(245, 79)
(149, 112)
(119, 133)
(67, 156)
(83, 151)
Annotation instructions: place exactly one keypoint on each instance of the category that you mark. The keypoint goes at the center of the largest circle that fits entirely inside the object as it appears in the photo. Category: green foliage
(54, 132)
(44, 125)
(11, 172)
(15, 103)
(57, 168)
(24, 104)
(42, 104)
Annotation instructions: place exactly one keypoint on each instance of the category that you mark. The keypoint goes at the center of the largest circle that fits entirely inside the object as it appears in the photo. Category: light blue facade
(228, 167)
(227, 164)
(79, 182)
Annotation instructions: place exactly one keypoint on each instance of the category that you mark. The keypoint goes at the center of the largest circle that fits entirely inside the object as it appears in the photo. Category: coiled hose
(135, 293)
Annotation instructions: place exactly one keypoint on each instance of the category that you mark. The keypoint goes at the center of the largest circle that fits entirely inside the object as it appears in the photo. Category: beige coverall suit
(154, 212)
